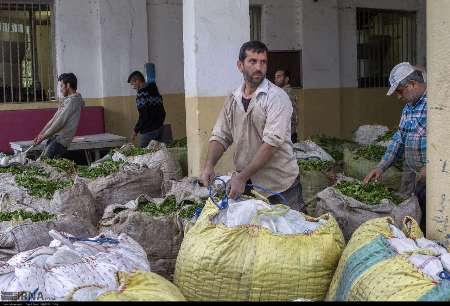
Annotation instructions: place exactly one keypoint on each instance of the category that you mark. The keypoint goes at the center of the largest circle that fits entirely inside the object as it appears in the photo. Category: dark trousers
(294, 138)
(408, 186)
(293, 195)
(53, 149)
(145, 138)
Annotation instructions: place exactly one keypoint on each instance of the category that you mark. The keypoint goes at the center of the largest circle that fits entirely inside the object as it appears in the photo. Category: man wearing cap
(410, 141)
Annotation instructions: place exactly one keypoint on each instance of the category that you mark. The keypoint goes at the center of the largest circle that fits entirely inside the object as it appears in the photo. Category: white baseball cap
(398, 74)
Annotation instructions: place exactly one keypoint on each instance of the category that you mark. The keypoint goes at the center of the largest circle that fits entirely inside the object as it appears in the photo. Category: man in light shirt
(61, 129)
(256, 118)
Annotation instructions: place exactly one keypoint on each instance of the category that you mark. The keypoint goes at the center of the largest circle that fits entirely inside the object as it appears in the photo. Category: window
(255, 22)
(385, 38)
(286, 60)
(26, 57)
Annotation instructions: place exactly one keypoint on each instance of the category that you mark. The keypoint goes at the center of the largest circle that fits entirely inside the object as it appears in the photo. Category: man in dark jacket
(151, 110)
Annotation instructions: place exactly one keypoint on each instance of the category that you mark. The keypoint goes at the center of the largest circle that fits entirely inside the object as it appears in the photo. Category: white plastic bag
(445, 261)
(276, 218)
(430, 265)
(403, 246)
(431, 245)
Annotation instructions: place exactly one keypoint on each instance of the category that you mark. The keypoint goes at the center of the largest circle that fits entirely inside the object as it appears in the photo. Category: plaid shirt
(411, 138)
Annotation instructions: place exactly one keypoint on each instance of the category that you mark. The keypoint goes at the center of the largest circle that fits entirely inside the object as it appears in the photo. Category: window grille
(26, 51)
(385, 38)
(255, 22)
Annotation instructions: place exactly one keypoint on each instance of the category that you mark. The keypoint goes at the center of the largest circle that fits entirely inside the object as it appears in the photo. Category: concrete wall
(165, 43)
(281, 23)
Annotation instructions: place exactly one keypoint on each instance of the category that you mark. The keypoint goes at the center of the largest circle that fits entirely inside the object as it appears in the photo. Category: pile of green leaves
(135, 151)
(387, 136)
(371, 193)
(178, 143)
(20, 215)
(333, 146)
(104, 169)
(41, 188)
(29, 170)
(314, 165)
(167, 207)
(62, 164)
(371, 152)
(188, 211)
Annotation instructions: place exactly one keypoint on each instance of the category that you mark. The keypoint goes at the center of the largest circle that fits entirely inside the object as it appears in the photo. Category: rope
(100, 240)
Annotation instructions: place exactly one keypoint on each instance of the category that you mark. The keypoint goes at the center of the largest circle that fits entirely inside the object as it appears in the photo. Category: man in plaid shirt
(410, 141)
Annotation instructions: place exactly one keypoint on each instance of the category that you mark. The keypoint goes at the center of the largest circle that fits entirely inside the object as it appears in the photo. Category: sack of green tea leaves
(178, 150)
(359, 162)
(352, 203)
(315, 176)
(186, 189)
(309, 150)
(117, 182)
(154, 156)
(368, 134)
(156, 224)
(22, 231)
(30, 188)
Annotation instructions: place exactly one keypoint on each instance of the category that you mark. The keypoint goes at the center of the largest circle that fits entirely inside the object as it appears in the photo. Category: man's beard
(255, 82)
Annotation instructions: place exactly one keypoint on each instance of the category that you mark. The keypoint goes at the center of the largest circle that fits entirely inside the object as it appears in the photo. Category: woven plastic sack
(143, 286)
(126, 185)
(76, 200)
(250, 263)
(313, 182)
(160, 159)
(370, 270)
(368, 134)
(309, 150)
(159, 236)
(186, 189)
(19, 237)
(180, 154)
(359, 168)
(68, 270)
(351, 213)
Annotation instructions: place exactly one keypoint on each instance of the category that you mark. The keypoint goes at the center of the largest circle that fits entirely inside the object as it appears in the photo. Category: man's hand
(207, 176)
(38, 139)
(374, 174)
(237, 186)
(133, 136)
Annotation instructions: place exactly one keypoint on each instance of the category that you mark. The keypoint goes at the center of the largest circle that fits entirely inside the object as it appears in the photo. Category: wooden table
(86, 143)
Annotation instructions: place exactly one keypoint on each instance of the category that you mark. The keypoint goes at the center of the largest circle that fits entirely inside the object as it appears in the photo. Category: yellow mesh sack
(249, 263)
(143, 286)
(370, 270)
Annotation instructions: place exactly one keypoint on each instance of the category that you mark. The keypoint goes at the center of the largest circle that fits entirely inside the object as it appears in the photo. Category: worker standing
(151, 110)
(61, 129)
(256, 118)
(410, 141)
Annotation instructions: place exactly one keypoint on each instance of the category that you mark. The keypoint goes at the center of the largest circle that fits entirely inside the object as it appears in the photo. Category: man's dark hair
(136, 75)
(287, 73)
(255, 46)
(69, 78)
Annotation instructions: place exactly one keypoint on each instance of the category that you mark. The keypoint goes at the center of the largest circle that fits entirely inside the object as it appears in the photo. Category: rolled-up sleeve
(278, 123)
(222, 132)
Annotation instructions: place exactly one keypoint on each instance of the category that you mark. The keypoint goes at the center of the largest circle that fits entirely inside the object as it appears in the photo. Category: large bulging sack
(226, 257)
(126, 185)
(143, 286)
(359, 168)
(17, 238)
(368, 134)
(351, 213)
(159, 236)
(75, 200)
(69, 270)
(384, 263)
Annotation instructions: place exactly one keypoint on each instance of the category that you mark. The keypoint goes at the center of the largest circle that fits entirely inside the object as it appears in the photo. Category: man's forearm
(215, 152)
(262, 157)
